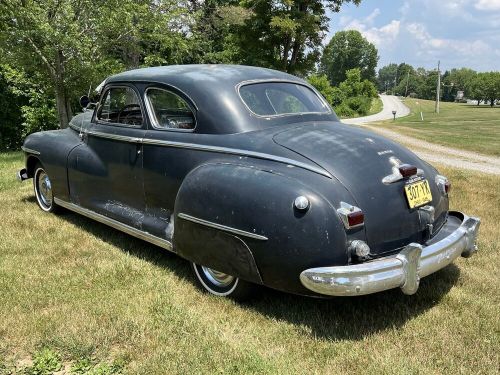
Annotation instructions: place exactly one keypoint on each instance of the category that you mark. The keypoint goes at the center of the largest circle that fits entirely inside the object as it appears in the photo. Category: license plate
(418, 193)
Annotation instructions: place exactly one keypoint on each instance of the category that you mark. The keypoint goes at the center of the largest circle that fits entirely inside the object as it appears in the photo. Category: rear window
(281, 98)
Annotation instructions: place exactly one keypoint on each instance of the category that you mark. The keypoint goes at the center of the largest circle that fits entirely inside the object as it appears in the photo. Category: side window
(120, 105)
(168, 110)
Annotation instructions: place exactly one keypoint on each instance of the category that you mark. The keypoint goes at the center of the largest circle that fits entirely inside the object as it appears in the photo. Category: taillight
(350, 215)
(407, 170)
(443, 184)
(355, 218)
(447, 186)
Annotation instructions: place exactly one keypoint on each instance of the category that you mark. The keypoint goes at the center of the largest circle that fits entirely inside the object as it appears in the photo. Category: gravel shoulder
(444, 155)
(426, 150)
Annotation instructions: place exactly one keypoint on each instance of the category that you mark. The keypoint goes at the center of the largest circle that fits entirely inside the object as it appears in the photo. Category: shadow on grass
(350, 318)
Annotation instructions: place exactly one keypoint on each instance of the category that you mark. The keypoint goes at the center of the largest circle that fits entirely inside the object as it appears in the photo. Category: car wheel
(222, 284)
(43, 190)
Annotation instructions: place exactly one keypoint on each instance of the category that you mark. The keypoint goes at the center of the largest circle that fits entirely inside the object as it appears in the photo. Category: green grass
(80, 296)
(463, 126)
(376, 107)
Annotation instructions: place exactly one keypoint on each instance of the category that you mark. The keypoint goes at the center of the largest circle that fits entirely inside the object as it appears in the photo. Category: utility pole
(407, 79)
(438, 88)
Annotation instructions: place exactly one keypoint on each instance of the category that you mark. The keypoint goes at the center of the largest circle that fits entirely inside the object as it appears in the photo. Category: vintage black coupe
(249, 175)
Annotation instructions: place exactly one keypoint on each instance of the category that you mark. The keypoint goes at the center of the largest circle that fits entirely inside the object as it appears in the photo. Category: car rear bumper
(404, 270)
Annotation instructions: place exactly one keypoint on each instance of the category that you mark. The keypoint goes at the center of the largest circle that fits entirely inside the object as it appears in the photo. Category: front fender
(53, 148)
(241, 220)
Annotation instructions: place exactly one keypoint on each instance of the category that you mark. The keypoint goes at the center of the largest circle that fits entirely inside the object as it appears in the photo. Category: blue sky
(457, 32)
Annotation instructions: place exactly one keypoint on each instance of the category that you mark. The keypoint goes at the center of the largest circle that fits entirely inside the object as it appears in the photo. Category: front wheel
(222, 284)
(43, 190)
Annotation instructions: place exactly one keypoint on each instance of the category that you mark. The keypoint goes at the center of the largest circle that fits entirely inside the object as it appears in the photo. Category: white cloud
(375, 35)
(430, 45)
(487, 5)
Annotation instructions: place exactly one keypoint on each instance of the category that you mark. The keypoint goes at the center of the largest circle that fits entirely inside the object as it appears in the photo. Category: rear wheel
(222, 284)
(43, 190)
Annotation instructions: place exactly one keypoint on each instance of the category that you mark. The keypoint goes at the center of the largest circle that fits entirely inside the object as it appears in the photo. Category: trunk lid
(359, 159)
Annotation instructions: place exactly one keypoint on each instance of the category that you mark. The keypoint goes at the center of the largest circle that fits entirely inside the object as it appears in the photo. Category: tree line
(53, 51)
(405, 80)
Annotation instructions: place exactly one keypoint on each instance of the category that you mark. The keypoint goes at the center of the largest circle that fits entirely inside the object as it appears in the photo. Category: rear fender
(241, 220)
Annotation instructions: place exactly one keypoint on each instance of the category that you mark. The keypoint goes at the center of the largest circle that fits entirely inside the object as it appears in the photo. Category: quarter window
(120, 105)
(168, 110)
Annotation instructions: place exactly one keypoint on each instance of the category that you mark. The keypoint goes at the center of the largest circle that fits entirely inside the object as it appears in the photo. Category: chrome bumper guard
(403, 270)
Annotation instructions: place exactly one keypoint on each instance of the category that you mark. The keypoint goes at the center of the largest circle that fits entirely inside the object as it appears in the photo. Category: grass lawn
(79, 296)
(463, 126)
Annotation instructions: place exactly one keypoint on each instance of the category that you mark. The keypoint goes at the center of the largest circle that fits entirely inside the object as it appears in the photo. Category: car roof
(213, 91)
(202, 74)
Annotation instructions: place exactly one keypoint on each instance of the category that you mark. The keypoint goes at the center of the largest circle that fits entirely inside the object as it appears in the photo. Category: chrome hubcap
(44, 189)
(217, 278)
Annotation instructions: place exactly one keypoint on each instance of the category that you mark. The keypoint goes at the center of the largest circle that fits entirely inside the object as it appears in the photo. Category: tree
(71, 43)
(491, 90)
(348, 50)
(386, 77)
(286, 34)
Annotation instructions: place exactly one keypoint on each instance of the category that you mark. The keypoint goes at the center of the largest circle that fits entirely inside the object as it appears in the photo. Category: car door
(105, 172)
(172, 120)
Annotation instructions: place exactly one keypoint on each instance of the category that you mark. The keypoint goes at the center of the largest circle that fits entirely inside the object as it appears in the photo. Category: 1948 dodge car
(248, 174)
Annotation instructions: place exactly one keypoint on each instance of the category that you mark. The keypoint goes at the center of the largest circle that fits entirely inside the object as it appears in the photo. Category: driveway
(390, 103)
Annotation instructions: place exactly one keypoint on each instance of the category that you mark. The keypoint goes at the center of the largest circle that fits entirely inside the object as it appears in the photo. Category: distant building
(459, 96)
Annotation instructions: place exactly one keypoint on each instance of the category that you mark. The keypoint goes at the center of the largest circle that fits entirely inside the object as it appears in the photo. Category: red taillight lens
(355, 218)
(447, 186)
(407, 170)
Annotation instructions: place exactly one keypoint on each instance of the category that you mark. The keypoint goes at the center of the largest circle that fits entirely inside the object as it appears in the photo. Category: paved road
(390, 103)
(428, 151)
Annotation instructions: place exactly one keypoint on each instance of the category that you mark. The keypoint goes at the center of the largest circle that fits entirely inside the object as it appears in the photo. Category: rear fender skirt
(221, 250)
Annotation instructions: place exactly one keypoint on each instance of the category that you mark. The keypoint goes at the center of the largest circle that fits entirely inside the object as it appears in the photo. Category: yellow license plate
(418, 193)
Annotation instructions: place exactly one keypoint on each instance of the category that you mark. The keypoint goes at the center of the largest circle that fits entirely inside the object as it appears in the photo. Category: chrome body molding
(208, 148)
(403, 270)
(224, 228)
(239, 152)
(30, 151)
(115, 224)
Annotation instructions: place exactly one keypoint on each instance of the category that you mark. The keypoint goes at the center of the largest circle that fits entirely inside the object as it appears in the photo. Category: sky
(459, 33)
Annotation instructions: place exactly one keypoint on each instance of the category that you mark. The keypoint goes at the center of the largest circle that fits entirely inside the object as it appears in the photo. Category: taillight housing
(443, 184)
(351, 216)
(407, 170)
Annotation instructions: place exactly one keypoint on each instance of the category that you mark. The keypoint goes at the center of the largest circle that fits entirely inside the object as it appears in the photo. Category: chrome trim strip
(115, 137)
(116, 224)
(403, 270)
(239, 152)
(30, 151)
(224, 228)
(208, 148)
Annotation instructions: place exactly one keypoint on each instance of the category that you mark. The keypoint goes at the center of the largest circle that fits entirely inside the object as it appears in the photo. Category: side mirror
(85, 101)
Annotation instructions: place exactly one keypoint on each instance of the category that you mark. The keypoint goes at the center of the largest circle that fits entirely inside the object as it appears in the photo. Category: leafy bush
(352, 98)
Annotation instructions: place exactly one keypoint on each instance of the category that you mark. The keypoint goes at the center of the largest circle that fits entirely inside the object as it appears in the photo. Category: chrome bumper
(403, 270)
